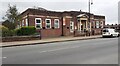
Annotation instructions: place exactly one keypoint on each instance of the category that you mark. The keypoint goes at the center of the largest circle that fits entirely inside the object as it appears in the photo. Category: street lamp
(90, 3)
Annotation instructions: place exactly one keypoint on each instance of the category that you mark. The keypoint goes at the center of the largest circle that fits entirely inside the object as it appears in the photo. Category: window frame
(26, 22)
(47, 23)
(38, 23)
(23, 22)
(58, 24)
(94, 24)
(97, 24)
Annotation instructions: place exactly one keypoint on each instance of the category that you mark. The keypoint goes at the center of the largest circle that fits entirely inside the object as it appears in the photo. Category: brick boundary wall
(27, 38)
(23, 38)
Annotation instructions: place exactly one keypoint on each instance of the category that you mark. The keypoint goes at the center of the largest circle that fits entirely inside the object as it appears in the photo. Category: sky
(108, 8)
(119, 12)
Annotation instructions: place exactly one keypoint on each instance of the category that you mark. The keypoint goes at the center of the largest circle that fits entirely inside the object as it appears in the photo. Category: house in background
(67, 23)
(113, 26)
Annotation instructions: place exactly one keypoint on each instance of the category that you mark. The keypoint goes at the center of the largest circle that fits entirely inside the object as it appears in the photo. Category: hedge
(30, 30)
(5, 32)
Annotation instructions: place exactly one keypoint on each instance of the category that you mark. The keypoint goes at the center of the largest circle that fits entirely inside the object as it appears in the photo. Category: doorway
(83, 25)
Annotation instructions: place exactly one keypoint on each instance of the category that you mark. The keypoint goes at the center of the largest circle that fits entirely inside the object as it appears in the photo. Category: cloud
(100, 7)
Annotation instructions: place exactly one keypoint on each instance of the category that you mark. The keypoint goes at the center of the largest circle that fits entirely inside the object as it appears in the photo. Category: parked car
(110, 32)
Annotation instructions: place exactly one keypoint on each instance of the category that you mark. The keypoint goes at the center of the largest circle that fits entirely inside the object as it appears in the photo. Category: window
(38, 23)
(23, 23)
(48, 23)
(93, 24)
(56, 23)
(105, 31)
(71, 26)
(26, 20)
(97, 24)
(101, 24)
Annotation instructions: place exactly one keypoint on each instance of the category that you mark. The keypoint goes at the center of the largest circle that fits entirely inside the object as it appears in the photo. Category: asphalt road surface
(93, 51)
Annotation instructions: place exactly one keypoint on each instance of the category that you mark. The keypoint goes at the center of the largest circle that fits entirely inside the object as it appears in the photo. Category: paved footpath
(44, 41)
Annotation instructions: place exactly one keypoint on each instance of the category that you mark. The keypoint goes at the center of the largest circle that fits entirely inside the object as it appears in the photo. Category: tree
(9, 25)
(11, 18)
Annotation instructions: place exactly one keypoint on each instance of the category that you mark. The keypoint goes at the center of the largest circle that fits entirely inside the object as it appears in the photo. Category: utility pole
(90, 3)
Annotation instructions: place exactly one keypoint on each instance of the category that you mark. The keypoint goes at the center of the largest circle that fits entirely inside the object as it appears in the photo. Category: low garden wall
(20, 38)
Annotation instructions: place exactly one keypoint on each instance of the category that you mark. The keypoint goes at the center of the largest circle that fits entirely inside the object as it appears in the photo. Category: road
(93, 51)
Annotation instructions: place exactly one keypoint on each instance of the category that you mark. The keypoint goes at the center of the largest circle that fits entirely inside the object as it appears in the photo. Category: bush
(5, 32)
(12, 33)
(26, 31)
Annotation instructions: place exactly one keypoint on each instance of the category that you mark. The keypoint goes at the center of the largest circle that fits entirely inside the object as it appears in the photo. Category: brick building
(114, 26)
(67, 23)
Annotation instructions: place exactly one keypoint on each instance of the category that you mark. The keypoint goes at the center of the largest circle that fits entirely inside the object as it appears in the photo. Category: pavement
(48, 40)
(93, 51)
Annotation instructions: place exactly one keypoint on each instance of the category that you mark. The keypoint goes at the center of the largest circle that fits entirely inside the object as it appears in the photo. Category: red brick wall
(98, 30)
(31, 21)
(51, 32)
(67, 27)
(47, 32)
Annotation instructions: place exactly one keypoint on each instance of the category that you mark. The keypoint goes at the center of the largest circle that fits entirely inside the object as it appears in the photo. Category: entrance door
(83, 25)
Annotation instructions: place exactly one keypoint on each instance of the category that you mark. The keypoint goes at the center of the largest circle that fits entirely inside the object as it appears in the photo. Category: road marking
(68, 48)
(3, 57)
(59, 49)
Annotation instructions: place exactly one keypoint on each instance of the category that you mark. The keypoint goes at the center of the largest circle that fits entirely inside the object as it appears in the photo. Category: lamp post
(90, 3)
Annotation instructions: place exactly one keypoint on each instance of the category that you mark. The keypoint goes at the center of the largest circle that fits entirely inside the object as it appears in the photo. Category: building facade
(113, 26)
(67, 23)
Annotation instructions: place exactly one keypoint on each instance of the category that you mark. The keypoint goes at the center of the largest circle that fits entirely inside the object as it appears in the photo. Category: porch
(84, 27)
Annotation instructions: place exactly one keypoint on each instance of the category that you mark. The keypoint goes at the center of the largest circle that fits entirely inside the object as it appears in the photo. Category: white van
(110, 32)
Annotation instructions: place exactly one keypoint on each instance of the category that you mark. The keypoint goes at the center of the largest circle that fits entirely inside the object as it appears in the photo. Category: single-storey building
(67, 23)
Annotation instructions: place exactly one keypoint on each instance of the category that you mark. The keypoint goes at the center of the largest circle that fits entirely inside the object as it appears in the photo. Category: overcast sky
(108, 8)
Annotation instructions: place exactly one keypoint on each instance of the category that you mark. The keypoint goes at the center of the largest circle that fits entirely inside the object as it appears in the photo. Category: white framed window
(71, 26)
(97, 24)
(48, 23)
(23, 23)
(26, 21)
(38, 23)
(56, 23)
